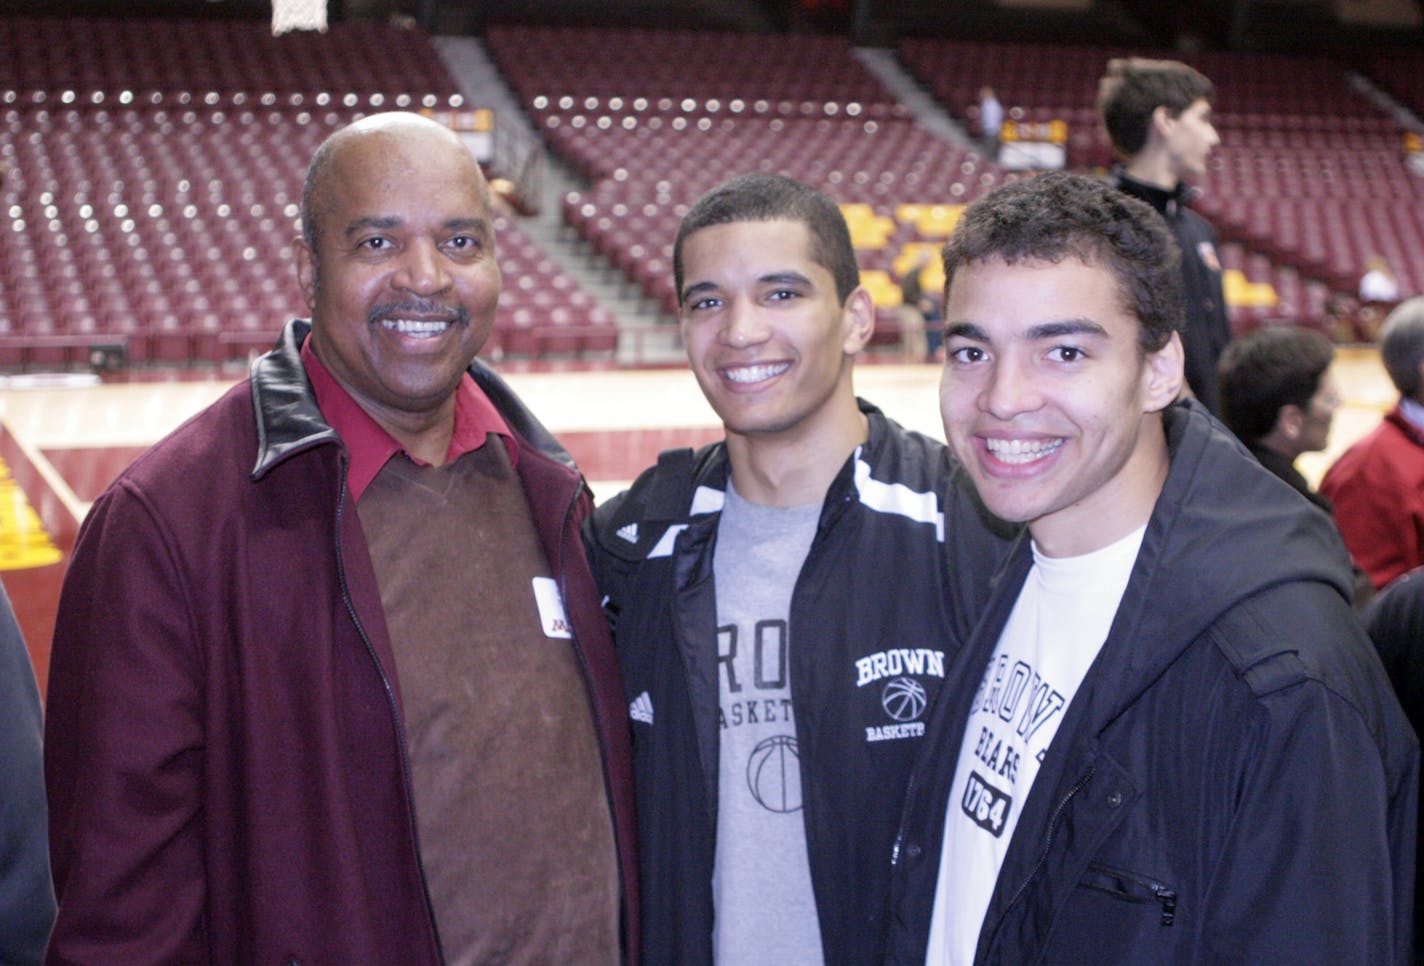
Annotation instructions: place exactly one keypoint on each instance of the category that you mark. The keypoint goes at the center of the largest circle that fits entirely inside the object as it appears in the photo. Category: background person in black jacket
(1158, 116)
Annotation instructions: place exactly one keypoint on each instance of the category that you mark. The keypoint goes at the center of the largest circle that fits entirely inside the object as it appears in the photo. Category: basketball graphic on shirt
(904, 699)
(774, 774)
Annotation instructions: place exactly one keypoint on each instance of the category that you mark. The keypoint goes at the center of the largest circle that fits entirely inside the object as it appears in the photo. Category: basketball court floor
(62, 441)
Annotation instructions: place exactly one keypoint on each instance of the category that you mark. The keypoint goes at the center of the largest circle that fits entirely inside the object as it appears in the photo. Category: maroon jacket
(1377, 487)
(224, 748)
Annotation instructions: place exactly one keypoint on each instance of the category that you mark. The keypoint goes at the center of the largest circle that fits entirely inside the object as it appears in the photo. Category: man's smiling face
(402, 283)
(1046, 394)
(765, 333)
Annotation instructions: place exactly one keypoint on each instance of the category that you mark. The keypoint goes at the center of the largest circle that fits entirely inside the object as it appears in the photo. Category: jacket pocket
(1133, 887)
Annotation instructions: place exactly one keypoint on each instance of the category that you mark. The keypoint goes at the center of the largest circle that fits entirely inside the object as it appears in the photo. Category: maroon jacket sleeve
(124, 747)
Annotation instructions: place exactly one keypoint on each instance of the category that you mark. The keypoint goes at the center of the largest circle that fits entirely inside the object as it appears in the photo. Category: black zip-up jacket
(1208, 324)
(1234, 782)
(871, 607)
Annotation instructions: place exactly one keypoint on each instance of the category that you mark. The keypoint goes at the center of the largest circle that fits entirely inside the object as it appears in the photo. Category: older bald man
(330, 681)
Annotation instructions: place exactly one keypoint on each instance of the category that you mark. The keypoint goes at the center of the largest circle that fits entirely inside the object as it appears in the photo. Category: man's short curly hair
(1059, 215)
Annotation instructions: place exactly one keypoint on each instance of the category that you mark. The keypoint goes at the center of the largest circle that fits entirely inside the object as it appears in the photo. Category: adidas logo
(629, 532)
(641, 708)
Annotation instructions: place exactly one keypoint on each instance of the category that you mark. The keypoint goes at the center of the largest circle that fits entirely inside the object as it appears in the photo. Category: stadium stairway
(647, 335)
(1407, 119)
(882, 62)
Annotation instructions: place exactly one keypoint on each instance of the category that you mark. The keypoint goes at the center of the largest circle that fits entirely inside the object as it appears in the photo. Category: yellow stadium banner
(24, 543)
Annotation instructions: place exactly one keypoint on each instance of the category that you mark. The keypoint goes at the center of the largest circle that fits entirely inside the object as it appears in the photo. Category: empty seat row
(163, 218)
(88, 54)
(683, 64)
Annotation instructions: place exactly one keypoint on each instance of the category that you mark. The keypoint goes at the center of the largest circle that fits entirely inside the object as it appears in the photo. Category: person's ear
(306, 270)
(1289, 421)
(858, 317)
(1162, 120)
(1164, 375)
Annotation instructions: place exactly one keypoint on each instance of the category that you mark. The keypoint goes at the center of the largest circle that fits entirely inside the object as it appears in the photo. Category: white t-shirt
(1057, 627)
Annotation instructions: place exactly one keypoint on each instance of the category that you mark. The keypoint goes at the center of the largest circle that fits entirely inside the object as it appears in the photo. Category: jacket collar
(1165, 201)
(1397, 418)
(289, 421)
(714, 468)
(1181, 583)
(1215, 495)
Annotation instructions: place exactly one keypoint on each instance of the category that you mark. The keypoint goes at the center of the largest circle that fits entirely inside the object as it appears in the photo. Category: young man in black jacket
(1167, 740)
(780, 601)
(1158, 116)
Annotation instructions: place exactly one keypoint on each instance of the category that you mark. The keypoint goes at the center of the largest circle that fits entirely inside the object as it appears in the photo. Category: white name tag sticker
(551, 608)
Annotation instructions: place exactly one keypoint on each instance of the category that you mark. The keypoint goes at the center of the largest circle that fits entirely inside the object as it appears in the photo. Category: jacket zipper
(394, 706)
(1168, 898)
(904, 818)
(910, 786)
(1116, 883)
(1043, 853)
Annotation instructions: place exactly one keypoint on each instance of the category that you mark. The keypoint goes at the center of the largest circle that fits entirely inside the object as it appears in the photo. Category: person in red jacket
(1377, 485)
(330, 679)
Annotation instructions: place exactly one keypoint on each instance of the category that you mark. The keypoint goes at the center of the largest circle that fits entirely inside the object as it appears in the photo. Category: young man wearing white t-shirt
(1167, 739)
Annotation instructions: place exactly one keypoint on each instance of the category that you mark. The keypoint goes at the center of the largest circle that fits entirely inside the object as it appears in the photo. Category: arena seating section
(153, 168)
(153, 171)
(652, 119)
(1309, 182)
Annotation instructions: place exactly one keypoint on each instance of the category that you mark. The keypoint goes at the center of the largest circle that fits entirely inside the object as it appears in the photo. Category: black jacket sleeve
(26, 890)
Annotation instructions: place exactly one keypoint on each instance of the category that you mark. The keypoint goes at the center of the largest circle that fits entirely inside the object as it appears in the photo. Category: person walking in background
(991, 122)
(779, 600)
(914, 339)
(330, 681)
(1168, 738)
(1157, 114)
(26, 889)
(1377, 485)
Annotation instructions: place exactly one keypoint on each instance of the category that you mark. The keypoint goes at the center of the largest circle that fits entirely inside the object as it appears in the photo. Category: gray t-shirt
(761, 880)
